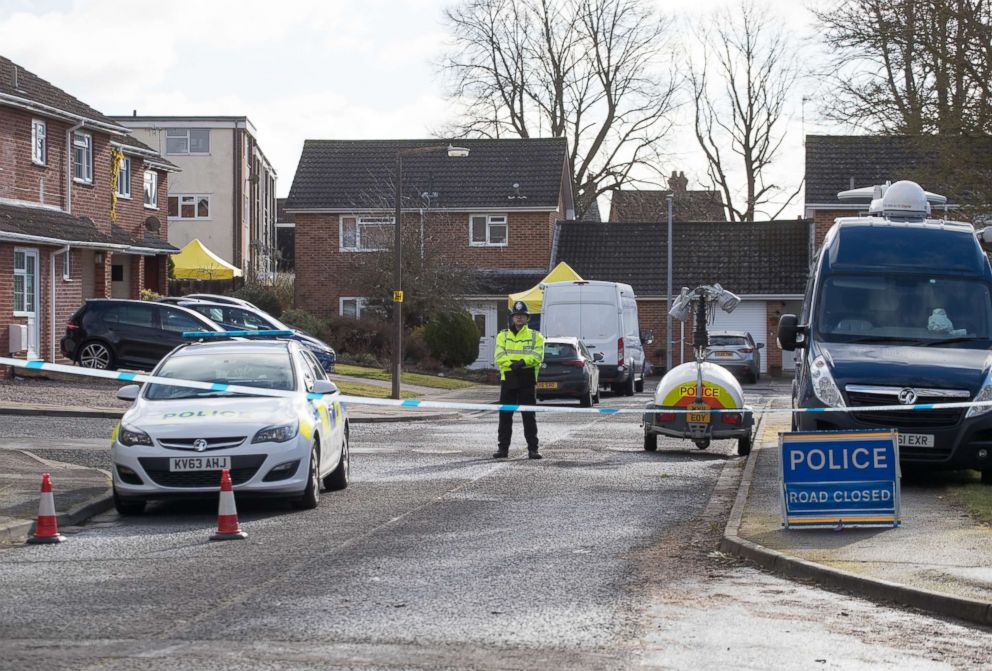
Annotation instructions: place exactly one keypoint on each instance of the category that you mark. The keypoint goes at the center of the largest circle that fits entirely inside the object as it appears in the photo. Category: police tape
(452, 405)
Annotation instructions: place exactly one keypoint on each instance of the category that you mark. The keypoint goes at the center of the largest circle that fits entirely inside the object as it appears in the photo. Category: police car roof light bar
(236, 334)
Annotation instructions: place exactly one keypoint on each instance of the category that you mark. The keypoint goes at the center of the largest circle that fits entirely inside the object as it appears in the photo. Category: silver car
(737, 352)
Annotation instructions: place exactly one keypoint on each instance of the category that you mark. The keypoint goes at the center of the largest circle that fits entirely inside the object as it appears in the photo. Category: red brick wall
(20, 178)
(322, 270)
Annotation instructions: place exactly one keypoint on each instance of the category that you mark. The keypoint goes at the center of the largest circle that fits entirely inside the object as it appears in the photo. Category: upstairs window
(187, 141)
(488, 230)
(365, 234)
(124, 178)
(39, 142)
(183, 206)
(151, 189)
(82, 157)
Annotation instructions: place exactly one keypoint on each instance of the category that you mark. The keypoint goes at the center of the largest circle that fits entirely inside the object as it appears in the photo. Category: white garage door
(748, 316)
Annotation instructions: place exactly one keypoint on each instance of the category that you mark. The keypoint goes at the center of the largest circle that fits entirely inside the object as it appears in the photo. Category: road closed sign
(833, 478)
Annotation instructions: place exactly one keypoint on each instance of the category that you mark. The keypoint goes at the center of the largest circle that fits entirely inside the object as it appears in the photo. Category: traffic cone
(46, 530)
(228, 528)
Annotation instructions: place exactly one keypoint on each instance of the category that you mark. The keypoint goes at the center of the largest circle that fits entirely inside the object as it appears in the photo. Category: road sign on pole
(839, 478)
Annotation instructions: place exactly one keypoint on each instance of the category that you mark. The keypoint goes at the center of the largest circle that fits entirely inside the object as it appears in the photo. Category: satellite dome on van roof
(902, 200)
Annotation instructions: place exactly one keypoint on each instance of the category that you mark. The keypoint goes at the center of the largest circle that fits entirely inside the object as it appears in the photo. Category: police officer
(519, 353)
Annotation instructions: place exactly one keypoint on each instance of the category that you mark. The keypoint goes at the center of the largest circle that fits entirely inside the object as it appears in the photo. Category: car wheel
(128, 507)
(628, 387)
(586, 399)
(639, 384)
(753, 378)
(650, 442)
(987, 476)
(338, 479)
(596, 398)
(744, 445)
(95, 354)
(311, 495)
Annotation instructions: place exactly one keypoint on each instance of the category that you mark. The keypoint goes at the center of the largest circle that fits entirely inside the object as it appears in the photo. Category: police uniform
(519, 353)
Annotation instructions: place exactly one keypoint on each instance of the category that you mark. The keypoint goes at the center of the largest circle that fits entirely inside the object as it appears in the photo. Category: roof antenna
(516, 193)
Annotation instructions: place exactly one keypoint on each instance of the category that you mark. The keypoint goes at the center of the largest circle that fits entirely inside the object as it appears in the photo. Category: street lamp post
(455, 152)
(668, 305)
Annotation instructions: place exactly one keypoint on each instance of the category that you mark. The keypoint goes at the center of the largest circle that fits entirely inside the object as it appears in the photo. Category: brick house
(765, 263)
(495, 210)
(58, 243)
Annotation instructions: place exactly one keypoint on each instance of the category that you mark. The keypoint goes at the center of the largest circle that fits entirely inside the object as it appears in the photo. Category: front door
(26, 295)
(485, 320)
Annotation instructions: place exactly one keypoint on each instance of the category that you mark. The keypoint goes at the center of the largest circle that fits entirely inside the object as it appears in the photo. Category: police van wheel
(628, 387)
(650, 442)
(128, 507)
(744, 445)
(311, 495)
(338, 479)
(639, 385)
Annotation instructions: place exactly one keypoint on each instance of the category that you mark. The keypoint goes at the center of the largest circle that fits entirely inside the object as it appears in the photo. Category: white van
(604, 316)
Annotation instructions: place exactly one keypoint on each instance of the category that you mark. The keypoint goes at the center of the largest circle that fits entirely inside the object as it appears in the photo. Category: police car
(175, 440)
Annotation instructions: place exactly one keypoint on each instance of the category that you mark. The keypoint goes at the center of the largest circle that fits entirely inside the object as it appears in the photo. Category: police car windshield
(262, 370)
(904, 309)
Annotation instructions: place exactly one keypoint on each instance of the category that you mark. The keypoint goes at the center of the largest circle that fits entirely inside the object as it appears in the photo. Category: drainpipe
(68, 164)
(64, 250)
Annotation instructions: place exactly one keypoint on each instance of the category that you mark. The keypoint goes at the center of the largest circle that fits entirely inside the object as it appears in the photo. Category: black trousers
(517, 396)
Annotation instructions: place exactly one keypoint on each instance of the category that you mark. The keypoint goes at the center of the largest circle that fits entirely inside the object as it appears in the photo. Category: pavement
(939, 560)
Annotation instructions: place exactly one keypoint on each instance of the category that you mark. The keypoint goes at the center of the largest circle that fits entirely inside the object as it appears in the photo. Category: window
(39, 143)
(136, 315)
(189, 207)
(352, 307)
(116, 273)
(124, 178)
(82, 157)
(24, 279)
(366, 233)
(187, 141)
(178, 322)
(151, 189)
(488, 230)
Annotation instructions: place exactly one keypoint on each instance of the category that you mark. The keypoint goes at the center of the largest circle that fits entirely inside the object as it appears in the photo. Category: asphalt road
(599, 556)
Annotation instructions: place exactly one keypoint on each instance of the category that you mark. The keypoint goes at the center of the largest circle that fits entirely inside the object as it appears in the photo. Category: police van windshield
(904, 309)
(263, 370)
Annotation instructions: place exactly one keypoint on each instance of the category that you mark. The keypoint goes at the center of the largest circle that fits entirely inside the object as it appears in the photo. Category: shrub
(453, 338)
(415, 349)
(263, 297)
(366, 335)
(304, 321)
(149, 295)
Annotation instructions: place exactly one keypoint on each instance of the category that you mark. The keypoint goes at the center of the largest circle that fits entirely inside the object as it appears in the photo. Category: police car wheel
(127, 507)
(338, 479)
(650, 442)
(744, 445)
(311, 495)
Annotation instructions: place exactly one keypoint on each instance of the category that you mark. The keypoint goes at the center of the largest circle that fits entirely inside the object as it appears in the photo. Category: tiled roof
(641, 205)
(49, 223)
(139, 148)
(358, 174)
(746, 258)
(34, 89)
(502, 281)
(840, 162)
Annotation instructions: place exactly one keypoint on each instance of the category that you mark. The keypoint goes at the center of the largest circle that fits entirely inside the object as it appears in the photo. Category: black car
(568, 371)
(109, 333)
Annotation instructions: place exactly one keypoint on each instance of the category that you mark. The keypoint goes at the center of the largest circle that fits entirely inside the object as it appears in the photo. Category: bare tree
(910, 66)
(740, 85)
(586, 70)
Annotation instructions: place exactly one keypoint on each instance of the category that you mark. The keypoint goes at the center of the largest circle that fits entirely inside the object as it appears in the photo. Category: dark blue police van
(898, 311)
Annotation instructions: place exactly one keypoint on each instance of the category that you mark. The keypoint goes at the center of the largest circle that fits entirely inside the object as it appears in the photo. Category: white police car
(175, 440)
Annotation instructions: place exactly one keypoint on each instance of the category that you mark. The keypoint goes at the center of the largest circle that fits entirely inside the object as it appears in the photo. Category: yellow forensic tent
(196, 262)
(534, 296)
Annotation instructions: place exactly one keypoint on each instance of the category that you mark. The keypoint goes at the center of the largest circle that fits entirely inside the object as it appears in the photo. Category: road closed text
(841, 496)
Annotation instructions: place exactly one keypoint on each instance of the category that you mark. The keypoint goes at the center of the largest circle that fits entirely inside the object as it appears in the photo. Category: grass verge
(420, 379)
(370, 390)
(975, 497)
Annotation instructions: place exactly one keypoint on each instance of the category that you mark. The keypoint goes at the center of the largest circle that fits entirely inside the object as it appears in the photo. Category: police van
(898, 311)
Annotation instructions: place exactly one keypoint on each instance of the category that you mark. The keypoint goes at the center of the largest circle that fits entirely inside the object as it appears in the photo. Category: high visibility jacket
(525, 345)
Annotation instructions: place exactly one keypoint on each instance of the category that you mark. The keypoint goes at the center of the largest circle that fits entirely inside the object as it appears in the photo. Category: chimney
(678, 181)
(134, 112)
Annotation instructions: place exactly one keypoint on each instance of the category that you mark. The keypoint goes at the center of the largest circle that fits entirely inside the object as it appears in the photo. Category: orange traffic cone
(228, 528)
(46, 530)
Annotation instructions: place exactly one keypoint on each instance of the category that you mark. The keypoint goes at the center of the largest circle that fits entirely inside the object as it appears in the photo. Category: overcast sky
(328, 69)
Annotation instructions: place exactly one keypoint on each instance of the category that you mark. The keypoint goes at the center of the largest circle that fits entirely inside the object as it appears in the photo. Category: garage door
(749, 316)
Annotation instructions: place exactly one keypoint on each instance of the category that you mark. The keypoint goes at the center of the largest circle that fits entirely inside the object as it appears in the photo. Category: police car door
(330, 429)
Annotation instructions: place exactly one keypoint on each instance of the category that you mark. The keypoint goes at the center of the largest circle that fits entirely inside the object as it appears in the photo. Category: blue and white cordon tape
(444, 405)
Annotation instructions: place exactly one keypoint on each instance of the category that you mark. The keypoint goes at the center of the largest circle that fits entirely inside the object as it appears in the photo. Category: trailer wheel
(650, 442)
(744, 445)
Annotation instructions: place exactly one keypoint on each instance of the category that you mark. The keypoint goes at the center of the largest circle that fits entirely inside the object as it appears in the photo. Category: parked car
(242, 318)
(737, 352)
(568, 371)
(108, 333)
(175, 300)
(287, 446)
(218, 298)
(603, 315)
